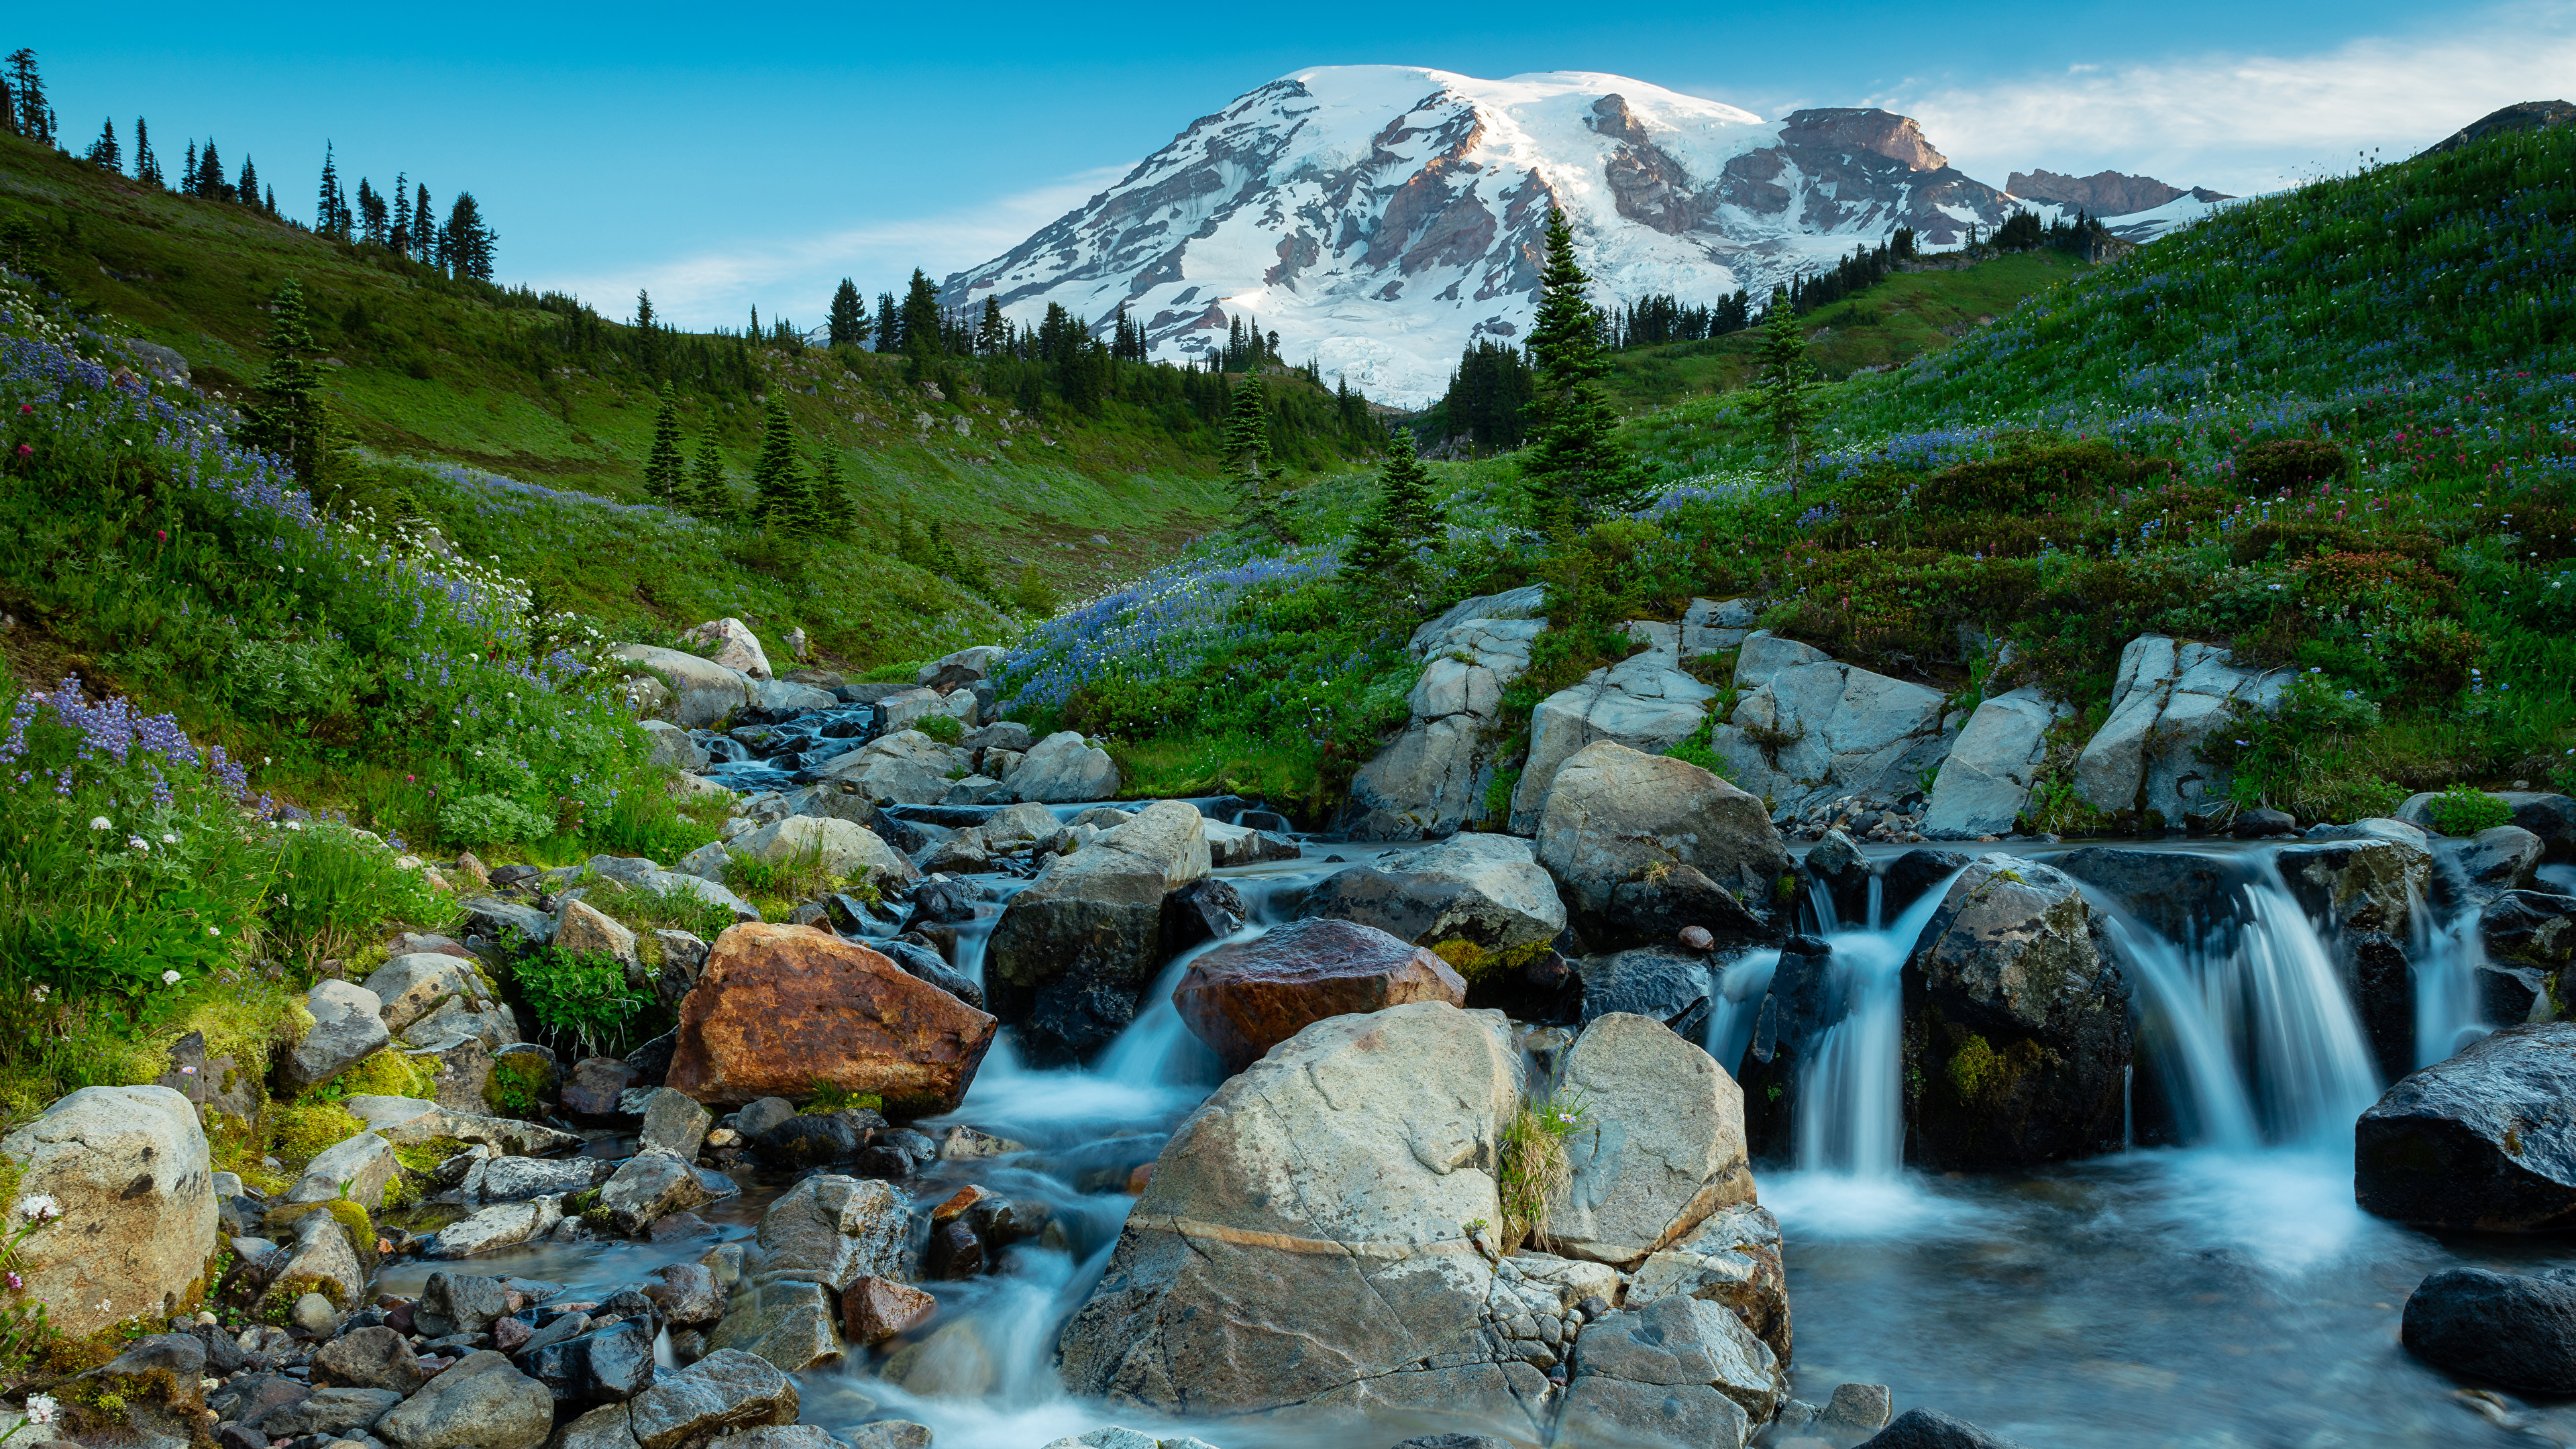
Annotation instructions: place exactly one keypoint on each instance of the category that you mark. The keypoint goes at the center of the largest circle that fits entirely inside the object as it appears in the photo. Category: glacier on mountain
(1380, 218)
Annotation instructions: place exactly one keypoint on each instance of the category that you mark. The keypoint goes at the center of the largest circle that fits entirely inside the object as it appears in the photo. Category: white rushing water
(1851, 1100)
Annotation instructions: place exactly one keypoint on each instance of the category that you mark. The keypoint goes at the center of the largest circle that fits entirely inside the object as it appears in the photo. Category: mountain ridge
(1382, 218)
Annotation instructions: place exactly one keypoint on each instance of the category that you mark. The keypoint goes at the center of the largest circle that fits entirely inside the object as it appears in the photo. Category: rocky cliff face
(2104, 193)
(1381, 217)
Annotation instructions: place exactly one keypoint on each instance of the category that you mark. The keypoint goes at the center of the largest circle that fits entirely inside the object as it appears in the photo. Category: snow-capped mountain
(1380, 217)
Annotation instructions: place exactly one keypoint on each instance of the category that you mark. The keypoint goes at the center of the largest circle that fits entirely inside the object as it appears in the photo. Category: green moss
(829, 1097)
(1982, 1076)
(426, 1156)
(388, 1073)
(1477, 963)
(517, 1085)
(301, 1130)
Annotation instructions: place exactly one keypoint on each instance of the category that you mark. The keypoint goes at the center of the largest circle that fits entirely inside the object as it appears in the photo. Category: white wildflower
(41, 1409)
(101, 822)
(169, 978)
(39, 1208)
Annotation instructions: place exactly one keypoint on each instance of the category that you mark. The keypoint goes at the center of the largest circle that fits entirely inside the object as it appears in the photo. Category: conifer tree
(1575, 471)
(209, 181)
(147, 167)
(1404, 520)
(1784, 390)
(424, 231)
(836, 512)
(921, 339)
(889, 323)
(290, 418)
(710, 497)
(992, 330)
(848, 321)
(188, 171)
(1247, 457)
(104, 153)
(327, 205)
(469, 242)
(398, 240)
(780, 492)
(30, 116)
(247, 189)
(665, 473)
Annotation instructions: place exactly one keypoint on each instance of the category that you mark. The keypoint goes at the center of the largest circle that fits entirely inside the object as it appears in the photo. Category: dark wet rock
(334, 1413)
(2530, 929)
(2369, 884)
(955, 1252)
(369, 1358)
(727, 1389)
(2016, 1023)
(875, 1309)
(1906, 878)
(1928, 1429)
(1656, 908)
(1836, 867)
(250, 1397)
(2180, 896)
(1072, 955)
(928, 965)
(595, 1085)
(1454, 1441)
(822, 1139)
(2383, 983)
(2504, 1328)
(1666, 985)
(2263, 824)
(2495, 861)
(945, 901)
(605, 1366)
(1203, 910)
(687, 1294)
(2481, 1142)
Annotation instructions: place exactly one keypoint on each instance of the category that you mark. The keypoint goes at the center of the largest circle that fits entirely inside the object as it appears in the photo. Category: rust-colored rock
(779, 1008)
(1246, 997)
(876, 1309)
(966, 1197)
(1140, 1179)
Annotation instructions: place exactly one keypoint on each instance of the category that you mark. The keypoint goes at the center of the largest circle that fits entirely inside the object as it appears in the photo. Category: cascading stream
(2446, 956)
(1851, 1107)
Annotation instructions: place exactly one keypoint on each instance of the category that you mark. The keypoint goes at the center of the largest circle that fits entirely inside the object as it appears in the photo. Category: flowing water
(2224, 1293)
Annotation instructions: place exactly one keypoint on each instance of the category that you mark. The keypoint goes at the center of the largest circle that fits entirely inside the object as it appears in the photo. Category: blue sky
(747, 157)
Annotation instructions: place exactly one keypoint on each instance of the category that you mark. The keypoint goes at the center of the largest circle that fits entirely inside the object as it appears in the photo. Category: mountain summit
(1379, 218)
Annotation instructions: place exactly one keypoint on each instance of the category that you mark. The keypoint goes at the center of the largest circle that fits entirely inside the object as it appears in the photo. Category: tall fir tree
(710, 497)
(31, 117)
(889, 323)
(246, 191)
(1575, 471)
(665, 472)
(289, 417)
(424, 228)
(921, 339)
(1384, 547)
(188, 171)
(327, 205)
(992, 330)
(848, 322)
(1247, 459)
(399, 239)
(469, 241)
(836, 511)
(780, 491)
(1784, 387)
(104, 153)
(210, 173)
(147, 167)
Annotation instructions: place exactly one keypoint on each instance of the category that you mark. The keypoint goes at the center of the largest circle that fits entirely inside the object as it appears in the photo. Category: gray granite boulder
(1645, 702)
(1808, 729)
(1985, 781)
(2170, 696)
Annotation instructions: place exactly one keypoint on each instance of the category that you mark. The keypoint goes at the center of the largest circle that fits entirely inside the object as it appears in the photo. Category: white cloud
(2245, 123)
(797, 274)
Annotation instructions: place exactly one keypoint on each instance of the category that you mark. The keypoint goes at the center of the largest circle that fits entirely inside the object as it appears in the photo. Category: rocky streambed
(1056, 1115)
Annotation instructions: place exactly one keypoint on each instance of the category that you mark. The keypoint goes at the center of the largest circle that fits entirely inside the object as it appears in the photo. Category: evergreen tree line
(1655, 320)
(1486, 394)
(403, 221)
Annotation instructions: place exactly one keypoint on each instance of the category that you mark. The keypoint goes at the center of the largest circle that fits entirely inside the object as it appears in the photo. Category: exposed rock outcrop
(1662, 1148)
(1073, 953)
(1985, 781)
(129, 1169)
(1245, 997)
(1644, 701)
(1432, 779)
(1808, 729)
(2169, 697)
(2483, 1142)
(1615, 813)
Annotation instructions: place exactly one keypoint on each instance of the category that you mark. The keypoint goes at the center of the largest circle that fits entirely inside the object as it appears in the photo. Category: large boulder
(725, 1390)
(1483, 891)
(1808, 729)
(1679, 1370)
(1433, 777)
(843, 850)
(1072, 954)
(2534, 930)
(1985, 781)
(2366, 884)
(1306, 1241)
(479, 1402)
(1064, 768)
(1616, 813)
(348, 1027)
(1932, 1429)
(2482, 1142)
(1644, 701)
(129, 1169)
(2504, 1328)
(1245, 997)
(789, 1323)
(418, 985)
(2168, 698)
(1661, 1146)
(908, 708)
(729, 642)
(1660, 983)
(701, 693)
(669, 747)
(904, 767)
(780, 1008)
(2016, 1023)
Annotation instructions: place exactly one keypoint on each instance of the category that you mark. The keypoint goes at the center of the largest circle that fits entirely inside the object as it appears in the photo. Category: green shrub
(1534, 1170)
(945, 728)
(583, 999)
(2462, 810)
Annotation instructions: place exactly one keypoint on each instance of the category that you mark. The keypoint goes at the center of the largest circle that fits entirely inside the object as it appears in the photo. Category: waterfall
(2248, 1026)
(2446, 957)
(1851, 1105)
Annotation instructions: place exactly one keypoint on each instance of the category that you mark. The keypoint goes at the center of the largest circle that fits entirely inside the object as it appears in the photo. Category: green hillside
(460, 393)
(2334, 429)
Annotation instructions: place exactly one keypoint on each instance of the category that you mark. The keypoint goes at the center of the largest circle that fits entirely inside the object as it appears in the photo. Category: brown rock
(1244, 998)
(473, 869)
(1140, 1179)
(780, 1007)
(966, 1198)
(876, 1309)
